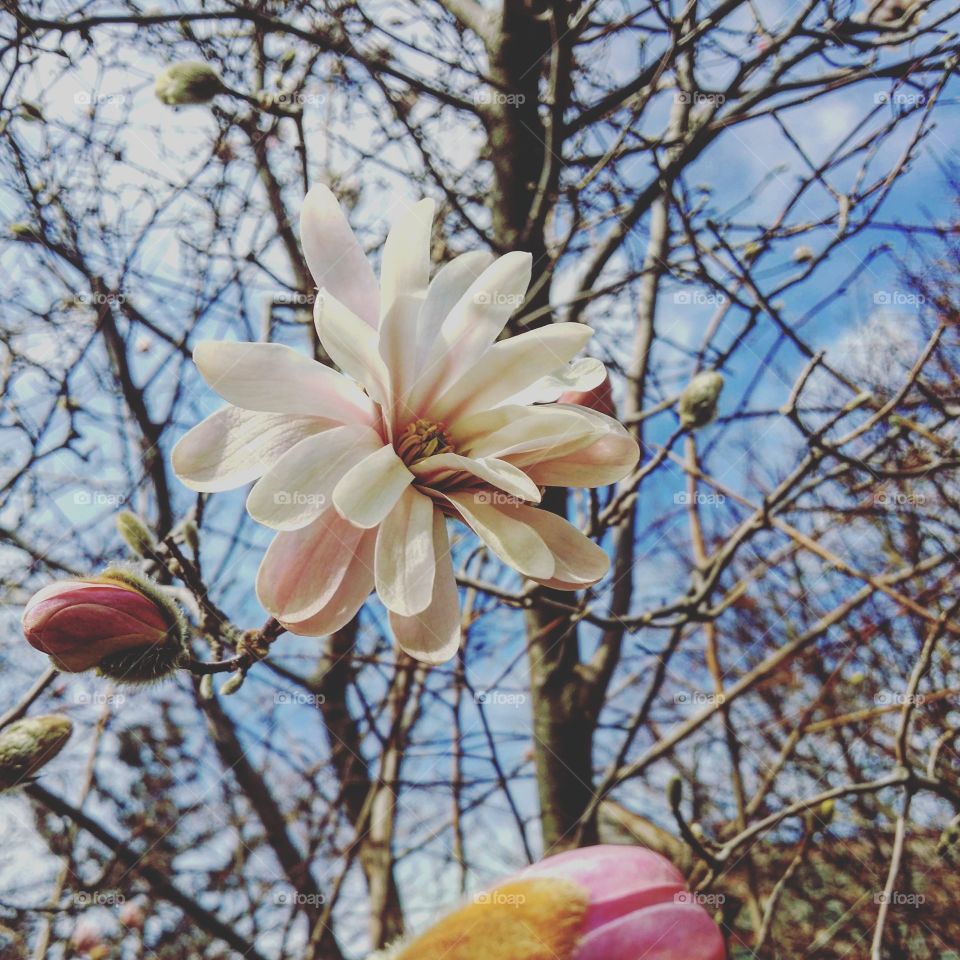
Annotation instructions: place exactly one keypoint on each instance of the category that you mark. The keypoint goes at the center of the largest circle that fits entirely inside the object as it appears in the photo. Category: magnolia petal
(232, 447)
(581, 375)
(482, 312)
(334, 257)
(433, 635)
(579, 562)
(405, 563)
(299, 486)
(525, 434)
(342, 605)
(351, 343)
(605, 460)
(496, 473)
(275, 378)
(405, 265)
(368, 491)
(509, 366)
(450, 283)
(398, 348)
(303, 570)
(515, 542)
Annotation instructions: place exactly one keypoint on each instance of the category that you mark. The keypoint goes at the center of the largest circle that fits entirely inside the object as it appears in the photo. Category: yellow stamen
(422, 439)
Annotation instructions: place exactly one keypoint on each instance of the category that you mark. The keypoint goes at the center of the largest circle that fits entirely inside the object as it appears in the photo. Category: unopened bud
(191, 537)
(698, 402)
(675, 792)
(120, 623)
(803, 254)
(135, 534)
(29, 744)
(186, 83)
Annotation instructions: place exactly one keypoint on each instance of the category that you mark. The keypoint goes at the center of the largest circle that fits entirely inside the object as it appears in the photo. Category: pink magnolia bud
(85, 936)
(600, 398)
(638, 906)
(81, 624)
(131, 915)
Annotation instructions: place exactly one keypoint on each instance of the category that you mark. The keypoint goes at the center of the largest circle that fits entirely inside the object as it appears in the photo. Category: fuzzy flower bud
(698, 402)
(135, 533)
(29, 744)
(118, 622)
(188, 83)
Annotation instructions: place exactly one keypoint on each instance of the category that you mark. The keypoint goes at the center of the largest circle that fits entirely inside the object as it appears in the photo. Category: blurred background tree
(759, 188)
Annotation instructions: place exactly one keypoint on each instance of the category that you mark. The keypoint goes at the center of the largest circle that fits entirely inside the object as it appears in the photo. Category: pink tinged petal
(433, 635)
(336, 260)
(405, 562)
(516, 543)
(305, 571)
(605, 460)
(525, 434)
(233, 446)
(351, 343)
(639, 907)
(299, 486)
(274, 378)
(666, 931)
(367, 492)
(344, 603)
(405, 267)
(497, 473)
(509, 366)
(579, 562)
(581, 376)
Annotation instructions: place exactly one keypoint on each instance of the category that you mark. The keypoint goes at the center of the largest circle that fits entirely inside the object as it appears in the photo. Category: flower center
(422, 439)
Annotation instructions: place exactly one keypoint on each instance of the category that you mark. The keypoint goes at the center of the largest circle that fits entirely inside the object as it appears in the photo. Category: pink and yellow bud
(117, 622)
(598, 903)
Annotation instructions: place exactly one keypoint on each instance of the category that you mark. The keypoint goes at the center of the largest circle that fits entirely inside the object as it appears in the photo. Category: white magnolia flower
(432, 418)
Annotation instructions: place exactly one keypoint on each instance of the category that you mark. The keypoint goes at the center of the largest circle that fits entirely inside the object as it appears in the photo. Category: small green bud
(803, 254)
(135, 534)
(675, 792)
(30, 111)
(206, 687)
(28, 745)
(698, 402)
(190, 82)
(24, 231)
(191, 537)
